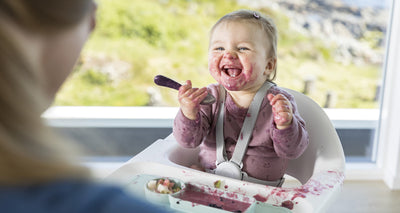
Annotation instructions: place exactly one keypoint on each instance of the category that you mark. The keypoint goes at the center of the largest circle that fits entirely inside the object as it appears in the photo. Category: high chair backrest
(324, 151)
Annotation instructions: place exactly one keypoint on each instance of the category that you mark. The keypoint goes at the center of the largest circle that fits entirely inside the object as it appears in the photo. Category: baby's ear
(271, 63)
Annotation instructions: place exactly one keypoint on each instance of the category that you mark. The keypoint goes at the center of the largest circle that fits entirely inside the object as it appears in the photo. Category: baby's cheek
(213, 68)
(213, 62)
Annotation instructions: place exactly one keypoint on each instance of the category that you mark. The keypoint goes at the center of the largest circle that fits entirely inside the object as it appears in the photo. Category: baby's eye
(219, 49)
(243, 48)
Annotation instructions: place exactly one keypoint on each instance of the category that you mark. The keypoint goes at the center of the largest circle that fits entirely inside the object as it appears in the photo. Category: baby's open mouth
(232, 71)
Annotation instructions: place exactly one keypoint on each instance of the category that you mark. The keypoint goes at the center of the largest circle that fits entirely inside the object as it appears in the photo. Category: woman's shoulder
(71, 196)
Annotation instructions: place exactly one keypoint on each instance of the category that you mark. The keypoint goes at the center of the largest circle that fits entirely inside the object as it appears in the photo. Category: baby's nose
(230, 55)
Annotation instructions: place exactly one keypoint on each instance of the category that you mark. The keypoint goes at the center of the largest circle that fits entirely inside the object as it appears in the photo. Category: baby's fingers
(275, 98)
(283, 118)
(198, 95)
(185, 87)
(282, 107)
(187, 95)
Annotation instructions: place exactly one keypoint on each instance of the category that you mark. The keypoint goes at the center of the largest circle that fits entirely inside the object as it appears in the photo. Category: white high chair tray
(134, 176)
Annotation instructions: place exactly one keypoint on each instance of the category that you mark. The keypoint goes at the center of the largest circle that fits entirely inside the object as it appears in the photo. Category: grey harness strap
(232, 168)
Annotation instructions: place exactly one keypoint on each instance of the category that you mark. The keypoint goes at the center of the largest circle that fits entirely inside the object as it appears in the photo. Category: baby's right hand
(190, 98)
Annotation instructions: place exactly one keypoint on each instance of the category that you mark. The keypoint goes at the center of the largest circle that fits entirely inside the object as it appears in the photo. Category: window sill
(162, 117)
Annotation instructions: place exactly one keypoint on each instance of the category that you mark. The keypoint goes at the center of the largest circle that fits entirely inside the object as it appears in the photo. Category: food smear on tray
(194, 195)
(163, 186)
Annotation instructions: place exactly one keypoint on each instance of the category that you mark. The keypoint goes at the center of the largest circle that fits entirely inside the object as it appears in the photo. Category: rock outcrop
(358, 32)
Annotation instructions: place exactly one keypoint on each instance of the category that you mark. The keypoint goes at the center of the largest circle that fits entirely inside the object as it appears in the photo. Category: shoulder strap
(220, 142)
(247, 128)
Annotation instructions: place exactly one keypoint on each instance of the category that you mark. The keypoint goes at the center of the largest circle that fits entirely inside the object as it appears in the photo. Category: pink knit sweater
(268, 150)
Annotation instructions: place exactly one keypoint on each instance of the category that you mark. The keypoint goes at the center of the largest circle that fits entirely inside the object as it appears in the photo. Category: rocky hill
(357, 32)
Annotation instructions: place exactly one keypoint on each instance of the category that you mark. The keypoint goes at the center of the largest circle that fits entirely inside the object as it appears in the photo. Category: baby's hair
(265, 22)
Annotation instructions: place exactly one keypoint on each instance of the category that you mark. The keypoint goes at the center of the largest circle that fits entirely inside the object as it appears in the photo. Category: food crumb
(217, 184)
(287, 204)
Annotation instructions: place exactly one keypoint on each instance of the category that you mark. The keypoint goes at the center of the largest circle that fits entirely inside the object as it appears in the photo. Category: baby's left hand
(282, 109)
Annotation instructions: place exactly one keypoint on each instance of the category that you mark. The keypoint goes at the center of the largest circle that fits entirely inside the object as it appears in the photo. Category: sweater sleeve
(291, 142)
(187, 132)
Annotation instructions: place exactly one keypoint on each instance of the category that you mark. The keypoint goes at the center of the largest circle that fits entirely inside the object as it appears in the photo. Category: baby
(253, 128)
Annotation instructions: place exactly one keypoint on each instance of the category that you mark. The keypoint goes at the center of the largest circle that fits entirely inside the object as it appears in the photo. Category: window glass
(333, 51)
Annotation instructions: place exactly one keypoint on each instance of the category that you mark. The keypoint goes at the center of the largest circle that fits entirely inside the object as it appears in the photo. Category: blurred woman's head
(50, 34)
(40, 41)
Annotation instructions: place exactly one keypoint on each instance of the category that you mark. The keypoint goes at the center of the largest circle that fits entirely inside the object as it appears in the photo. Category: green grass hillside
(136, 40)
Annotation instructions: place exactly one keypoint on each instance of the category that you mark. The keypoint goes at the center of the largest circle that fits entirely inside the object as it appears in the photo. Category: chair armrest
(321, 190)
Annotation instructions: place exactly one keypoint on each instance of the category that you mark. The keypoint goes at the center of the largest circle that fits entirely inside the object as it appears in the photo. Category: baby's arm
(188, 133)
(190, 125)
(290, 136)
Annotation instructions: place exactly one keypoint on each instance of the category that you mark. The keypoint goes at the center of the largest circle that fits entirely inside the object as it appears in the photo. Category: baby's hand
(282, 109)
(190, 98)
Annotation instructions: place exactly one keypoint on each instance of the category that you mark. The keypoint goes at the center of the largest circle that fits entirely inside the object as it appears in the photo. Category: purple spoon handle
(161, 80)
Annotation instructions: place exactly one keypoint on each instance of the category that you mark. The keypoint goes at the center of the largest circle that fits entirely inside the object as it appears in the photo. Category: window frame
(388, 156)
(387, 166)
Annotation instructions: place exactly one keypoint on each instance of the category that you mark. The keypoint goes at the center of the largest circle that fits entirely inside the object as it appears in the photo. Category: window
(332, 51)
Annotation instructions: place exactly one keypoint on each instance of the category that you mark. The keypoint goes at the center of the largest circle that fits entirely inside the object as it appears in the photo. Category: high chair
(320, 169)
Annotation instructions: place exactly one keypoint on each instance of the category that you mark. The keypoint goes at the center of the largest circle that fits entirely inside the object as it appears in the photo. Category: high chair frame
(320, 169)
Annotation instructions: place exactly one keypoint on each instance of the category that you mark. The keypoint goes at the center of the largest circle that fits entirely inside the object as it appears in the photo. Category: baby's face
(238, 56)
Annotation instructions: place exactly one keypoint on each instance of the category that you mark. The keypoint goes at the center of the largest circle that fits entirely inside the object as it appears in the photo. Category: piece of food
(163, 186)
(217, 184)
(152, 185)
(163, 189)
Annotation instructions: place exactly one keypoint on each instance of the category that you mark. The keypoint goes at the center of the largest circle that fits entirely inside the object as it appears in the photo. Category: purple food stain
(287, 204)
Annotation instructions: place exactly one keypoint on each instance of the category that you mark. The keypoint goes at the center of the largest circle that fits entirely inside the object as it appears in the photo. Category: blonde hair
(266, 23)
(30, 152)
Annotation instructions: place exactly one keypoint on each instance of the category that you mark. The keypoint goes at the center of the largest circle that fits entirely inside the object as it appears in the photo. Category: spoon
(161, 80)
